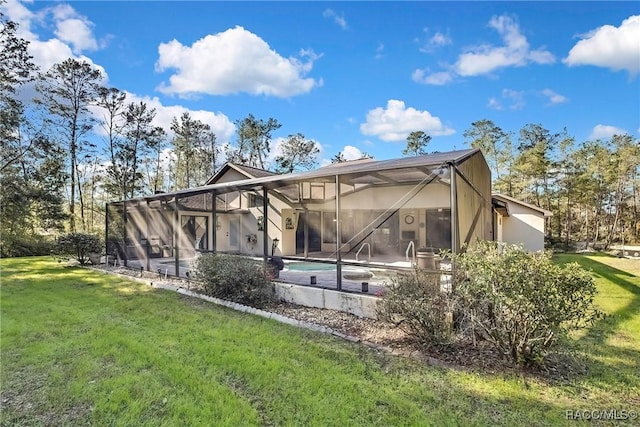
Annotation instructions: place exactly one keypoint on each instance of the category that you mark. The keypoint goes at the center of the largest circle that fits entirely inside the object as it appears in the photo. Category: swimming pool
(310, 266)
(183, 263)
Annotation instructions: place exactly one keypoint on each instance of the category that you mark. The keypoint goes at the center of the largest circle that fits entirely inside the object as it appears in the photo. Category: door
(234, 234)
(386, 236)
(438, 228)
(313, 222)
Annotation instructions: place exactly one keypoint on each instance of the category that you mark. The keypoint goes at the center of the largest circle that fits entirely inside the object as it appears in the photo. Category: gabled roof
(503, 205)
(248, 171)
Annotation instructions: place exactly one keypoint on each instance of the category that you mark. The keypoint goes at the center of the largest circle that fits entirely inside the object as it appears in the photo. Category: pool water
(310, 266)
(183, 263)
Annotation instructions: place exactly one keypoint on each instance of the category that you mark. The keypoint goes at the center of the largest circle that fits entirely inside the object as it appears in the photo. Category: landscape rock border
(457, 358)
(303, 324)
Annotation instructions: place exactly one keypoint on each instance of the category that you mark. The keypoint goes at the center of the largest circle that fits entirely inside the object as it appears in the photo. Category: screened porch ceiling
(353, 176)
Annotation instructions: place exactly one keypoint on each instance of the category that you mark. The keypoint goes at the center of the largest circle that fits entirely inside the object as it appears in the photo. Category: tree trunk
(72, 209)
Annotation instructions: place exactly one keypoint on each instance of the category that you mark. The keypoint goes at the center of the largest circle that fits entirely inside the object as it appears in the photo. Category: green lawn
(83, 348)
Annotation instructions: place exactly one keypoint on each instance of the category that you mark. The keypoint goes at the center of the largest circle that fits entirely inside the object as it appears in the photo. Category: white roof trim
(509, 199)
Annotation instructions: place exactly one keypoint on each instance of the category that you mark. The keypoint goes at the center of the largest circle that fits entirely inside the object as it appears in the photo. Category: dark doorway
(314, 225)
(386, 235)
(439, 228)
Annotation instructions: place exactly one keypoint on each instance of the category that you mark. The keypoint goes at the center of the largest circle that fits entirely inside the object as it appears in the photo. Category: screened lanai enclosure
(336, 227)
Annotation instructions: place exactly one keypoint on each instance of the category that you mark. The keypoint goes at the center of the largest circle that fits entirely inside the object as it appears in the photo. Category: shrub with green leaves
(78, 246)
(21, 246)
(234, 278)
(521, 302)
(418, 306)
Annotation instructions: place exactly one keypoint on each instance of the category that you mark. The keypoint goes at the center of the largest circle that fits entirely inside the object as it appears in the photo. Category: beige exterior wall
(432, 196)
(230, 176)
(245, 223)
(524, 226)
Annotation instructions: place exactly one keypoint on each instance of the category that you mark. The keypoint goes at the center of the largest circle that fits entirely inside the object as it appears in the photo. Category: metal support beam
(214, 216)
(306, 232)
(455, 243)
(124, 232)
(176, 236)
(106, 232)
(265, 224)
(338, 238)
(148, 245)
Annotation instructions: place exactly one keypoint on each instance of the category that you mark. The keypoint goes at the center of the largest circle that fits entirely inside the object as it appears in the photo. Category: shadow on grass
(265, 363)
(609, 361)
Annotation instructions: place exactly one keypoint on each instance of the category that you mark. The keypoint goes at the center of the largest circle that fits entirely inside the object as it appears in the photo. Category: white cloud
(338, 19)
(220, 123)
(432, 42)
(617, 48)
(234, 61)
(396, 121)
(554, 98)
(351, 153)
(221, 126)
(513, 99)
(440, 39)
(606, 132)
(486, 58)
(73, 28)
(77, 33)
(437, 79)
(74, 33)
(17, 12)
(494, 104)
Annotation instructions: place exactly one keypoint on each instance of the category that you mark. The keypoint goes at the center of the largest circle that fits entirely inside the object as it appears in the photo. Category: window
(255, 200)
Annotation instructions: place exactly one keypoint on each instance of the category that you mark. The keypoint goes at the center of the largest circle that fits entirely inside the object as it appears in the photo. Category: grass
(79, 347)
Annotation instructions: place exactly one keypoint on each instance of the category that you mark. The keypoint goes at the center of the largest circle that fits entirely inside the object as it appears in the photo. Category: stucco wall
(524, 226)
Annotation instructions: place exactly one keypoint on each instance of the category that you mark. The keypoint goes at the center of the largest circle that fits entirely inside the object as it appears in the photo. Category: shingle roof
(248, 171)
(507, 199)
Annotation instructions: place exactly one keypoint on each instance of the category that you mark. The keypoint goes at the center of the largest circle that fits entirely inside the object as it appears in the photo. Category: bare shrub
(417, 305)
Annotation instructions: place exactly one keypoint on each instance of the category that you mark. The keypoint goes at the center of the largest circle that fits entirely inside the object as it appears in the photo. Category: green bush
(234, 278)
(417, 305)
(20, 246)
(78, 246)
(520, 302)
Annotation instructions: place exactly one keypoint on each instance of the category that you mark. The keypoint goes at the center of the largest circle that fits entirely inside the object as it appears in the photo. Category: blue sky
(359, 76)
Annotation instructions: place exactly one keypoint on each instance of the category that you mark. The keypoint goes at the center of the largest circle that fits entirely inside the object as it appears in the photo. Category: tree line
(79, 144)
(591, 187)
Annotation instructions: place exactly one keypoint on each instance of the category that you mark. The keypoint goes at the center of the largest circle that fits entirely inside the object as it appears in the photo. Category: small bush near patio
(78, 246)
(234, 278)
(521, 303)
(415, 303)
